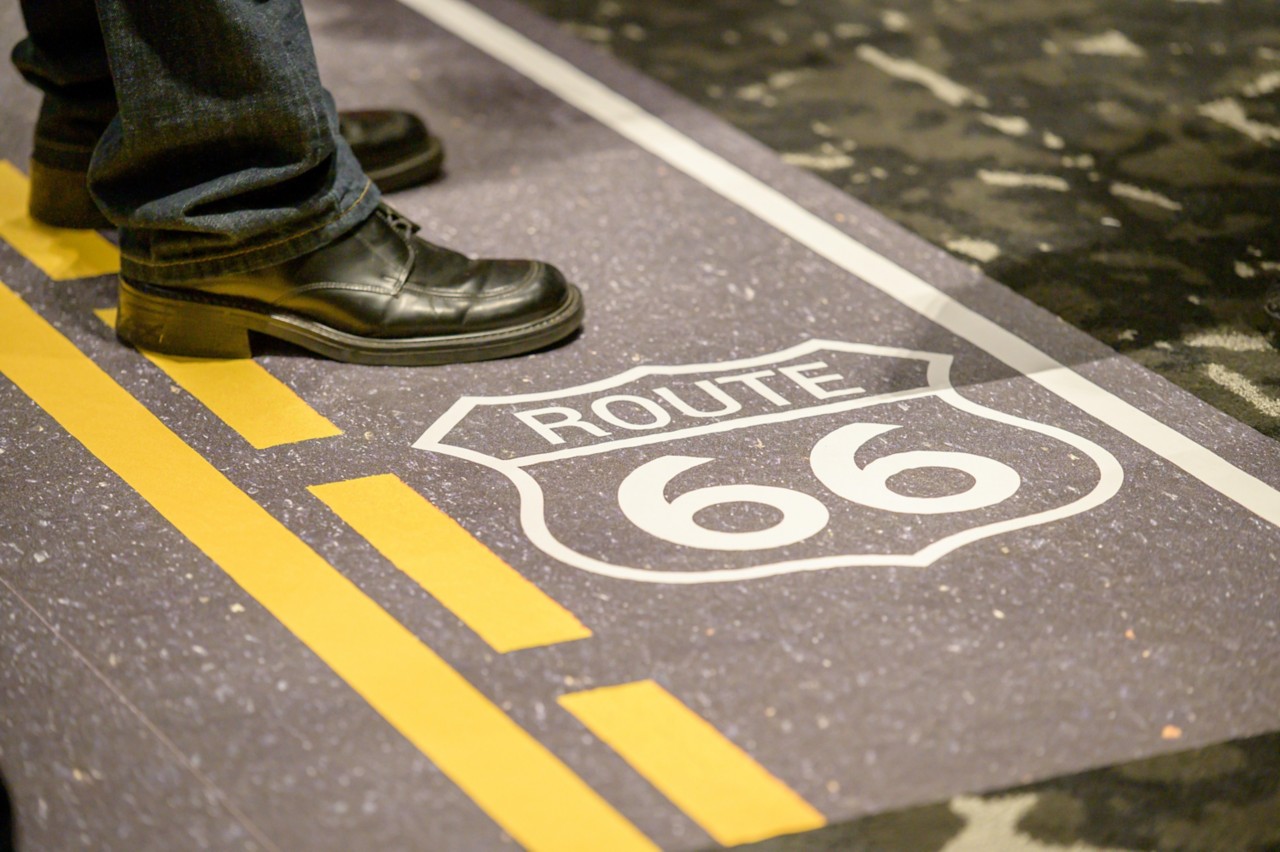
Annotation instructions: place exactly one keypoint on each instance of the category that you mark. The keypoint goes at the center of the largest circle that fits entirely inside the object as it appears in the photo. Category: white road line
(771, 206)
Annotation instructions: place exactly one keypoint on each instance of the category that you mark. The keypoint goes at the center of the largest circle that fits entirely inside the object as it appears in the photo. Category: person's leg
(225, 154)
(242, 209)
(63, 56)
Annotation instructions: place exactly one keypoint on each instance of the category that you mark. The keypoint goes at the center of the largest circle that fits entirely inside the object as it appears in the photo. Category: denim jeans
(206, 134)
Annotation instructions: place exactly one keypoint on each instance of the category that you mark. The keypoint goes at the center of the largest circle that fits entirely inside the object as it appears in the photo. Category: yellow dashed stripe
(717, 784)
(504, 608)
(242, 394)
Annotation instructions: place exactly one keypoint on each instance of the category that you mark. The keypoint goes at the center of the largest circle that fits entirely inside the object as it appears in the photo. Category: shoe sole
(197, 325)
(411, 172)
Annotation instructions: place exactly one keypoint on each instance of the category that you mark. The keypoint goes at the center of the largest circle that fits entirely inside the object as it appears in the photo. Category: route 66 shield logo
(826, 455)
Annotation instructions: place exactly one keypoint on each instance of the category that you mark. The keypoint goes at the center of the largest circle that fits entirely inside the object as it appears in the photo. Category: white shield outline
(532, 500)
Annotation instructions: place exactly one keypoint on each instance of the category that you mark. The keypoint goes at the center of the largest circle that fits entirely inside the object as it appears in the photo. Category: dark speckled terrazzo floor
(1118, 164)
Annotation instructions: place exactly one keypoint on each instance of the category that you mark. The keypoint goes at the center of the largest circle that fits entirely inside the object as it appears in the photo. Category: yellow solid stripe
(242, 394)
(505, 609)
(527, 790)
(61, 254)
(717, 784)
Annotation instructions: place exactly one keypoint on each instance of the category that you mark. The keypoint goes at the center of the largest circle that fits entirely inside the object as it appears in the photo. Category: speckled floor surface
(155, 701)
(1118, 164)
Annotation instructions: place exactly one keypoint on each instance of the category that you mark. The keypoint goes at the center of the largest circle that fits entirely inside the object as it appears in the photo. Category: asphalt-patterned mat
(810, 522)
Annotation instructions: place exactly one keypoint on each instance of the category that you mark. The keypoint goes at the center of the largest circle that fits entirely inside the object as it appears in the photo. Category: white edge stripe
(665, 142)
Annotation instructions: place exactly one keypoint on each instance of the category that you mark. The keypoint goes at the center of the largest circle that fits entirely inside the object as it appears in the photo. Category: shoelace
(403, 225)
(406, 229)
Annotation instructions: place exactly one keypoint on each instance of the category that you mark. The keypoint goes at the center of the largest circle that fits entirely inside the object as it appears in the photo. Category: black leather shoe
(377, 295)
(394, 147)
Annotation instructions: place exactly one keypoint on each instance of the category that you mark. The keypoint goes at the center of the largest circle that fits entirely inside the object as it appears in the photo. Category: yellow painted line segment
(534, 796)
(717, 784)
(491, 597)
(60, 253)
(241, 393)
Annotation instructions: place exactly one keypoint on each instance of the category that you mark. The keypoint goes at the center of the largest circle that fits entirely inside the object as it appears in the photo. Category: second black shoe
(394, 148)
(377, 295)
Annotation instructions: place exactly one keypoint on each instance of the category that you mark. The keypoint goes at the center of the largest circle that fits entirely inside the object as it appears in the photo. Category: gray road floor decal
(811, 521)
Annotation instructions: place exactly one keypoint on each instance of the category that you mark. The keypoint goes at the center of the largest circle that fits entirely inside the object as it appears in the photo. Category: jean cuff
(272, 250)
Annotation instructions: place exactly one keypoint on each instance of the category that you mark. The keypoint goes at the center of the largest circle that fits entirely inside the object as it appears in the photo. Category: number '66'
(643, 500)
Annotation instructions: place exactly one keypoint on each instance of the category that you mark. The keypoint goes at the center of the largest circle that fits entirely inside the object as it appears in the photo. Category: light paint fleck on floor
(1243, 388)
(1229, 112)
(1230, 339)
(1147, 196)
(1110, 43)
(1010, 125)
(588, 32)
(784, 79)
(1247, 270)
(895, 21)
(1053, 141)
(758, 93)
(944, 89)
(1264, 85)
(980, 250)
(993, 824)
(847, 30)
(1020, 180)
(823, 162)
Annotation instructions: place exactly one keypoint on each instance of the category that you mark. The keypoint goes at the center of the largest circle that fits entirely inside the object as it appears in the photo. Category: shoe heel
(60, 198)
(177, 327)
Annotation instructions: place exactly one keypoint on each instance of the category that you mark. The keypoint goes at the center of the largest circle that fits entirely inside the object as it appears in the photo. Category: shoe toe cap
(516, 292)
(496, 295)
